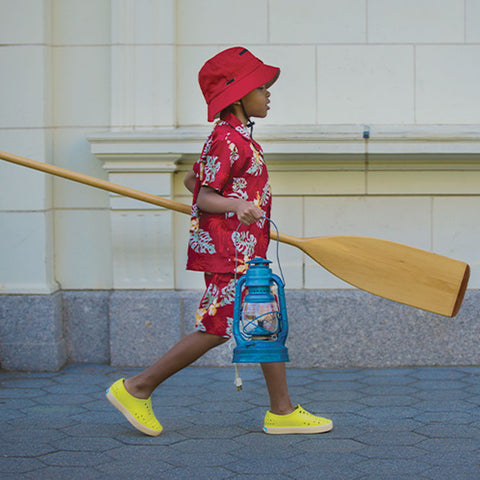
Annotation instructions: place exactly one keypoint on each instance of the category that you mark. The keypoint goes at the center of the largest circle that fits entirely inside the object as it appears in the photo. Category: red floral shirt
(231, 163)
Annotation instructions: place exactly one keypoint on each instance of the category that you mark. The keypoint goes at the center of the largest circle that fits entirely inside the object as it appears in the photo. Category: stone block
(31, 318)
(31, 332)
(33, 357)
(365, 84)
(25, 80)
(416, 21)
(446, 89)
(472, 20)
(26, 264)
(80, 91)
(142, 249)
(342, 329)
(452, 218)
(143, 325)
(81, 23)
(23, 22)
(317, 21)
(290, 105)
(209, 21)
(87, 328)
(83, 249)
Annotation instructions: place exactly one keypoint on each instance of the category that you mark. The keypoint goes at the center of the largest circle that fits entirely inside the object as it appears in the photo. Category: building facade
(374, 130)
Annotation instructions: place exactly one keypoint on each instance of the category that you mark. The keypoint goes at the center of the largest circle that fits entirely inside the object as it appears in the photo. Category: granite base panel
(327, 329)
(33, 357)
(341, 328)
(86, 322)
(143, 325)
(31, 332)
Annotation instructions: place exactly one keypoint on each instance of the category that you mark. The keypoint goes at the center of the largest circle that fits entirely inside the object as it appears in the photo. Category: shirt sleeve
(216, 168)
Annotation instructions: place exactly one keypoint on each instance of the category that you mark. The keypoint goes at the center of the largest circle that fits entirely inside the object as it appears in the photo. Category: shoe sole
(133, 421)
(305, 430)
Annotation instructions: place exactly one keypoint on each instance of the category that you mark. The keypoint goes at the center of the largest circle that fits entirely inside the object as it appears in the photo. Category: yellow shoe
(299, 421)
(137, 411)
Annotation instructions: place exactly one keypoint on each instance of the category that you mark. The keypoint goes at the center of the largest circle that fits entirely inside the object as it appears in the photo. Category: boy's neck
(237, 110)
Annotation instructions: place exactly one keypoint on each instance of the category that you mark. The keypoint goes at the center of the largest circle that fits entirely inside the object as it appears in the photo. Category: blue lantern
(260, 323)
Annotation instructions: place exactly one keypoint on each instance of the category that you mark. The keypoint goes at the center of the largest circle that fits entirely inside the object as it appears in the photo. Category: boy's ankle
(132, 387)
(287, 410)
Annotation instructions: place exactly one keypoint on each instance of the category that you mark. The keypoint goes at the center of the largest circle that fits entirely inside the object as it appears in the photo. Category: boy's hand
(248, 213)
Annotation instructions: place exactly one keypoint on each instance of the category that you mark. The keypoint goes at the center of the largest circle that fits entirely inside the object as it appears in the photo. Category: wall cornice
(299, 140)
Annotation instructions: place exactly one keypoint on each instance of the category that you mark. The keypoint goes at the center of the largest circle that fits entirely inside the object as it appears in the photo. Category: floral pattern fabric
(215, 313)
(232, 163)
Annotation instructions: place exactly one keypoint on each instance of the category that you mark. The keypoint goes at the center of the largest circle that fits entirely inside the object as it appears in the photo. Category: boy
(230, 186)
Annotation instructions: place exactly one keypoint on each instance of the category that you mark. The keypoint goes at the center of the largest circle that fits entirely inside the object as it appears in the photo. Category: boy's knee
(214, 340)
(221, 340)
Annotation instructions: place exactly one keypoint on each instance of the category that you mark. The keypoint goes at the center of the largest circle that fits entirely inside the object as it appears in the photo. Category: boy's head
(230, 75)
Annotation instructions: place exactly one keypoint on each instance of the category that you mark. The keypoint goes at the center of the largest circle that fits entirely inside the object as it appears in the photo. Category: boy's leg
(182, 354)
(132, 396)
(276, 379)
(283, 417)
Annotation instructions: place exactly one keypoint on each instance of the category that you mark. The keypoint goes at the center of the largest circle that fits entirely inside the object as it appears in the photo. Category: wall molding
(461, 140)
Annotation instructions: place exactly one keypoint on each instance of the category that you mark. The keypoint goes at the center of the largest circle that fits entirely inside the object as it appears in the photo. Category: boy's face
(256, 102)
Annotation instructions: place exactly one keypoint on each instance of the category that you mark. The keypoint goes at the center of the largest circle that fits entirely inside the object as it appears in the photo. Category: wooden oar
(390, 270)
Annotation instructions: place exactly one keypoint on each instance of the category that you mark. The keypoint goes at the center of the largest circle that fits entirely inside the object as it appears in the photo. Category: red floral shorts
(215, 313)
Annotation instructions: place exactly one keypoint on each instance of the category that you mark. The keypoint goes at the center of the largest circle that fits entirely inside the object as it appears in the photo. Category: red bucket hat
(230, 75)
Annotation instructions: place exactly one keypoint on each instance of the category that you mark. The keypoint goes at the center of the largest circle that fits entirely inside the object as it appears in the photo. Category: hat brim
(263, 75)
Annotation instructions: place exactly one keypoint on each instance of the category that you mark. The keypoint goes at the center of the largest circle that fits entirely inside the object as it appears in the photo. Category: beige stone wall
(109, 89)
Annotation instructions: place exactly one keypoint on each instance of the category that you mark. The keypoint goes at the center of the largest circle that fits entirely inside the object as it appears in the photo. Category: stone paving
(404, 423)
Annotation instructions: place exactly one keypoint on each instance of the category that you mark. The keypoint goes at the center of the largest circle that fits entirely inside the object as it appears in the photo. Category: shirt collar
(230, 119)
(234, 122)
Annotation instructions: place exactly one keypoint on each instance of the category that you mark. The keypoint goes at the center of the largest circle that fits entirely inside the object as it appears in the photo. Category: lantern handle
(277, 249)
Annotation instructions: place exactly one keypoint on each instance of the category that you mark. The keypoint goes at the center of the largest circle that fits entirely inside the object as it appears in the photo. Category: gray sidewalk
(408, 423)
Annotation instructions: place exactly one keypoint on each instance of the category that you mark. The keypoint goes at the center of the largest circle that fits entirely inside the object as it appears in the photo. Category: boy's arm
(189, 181)
(210, 201)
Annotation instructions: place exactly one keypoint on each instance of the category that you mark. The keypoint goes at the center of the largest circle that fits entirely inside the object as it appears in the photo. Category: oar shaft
(113, 187)
(284, 238)
(96, 182)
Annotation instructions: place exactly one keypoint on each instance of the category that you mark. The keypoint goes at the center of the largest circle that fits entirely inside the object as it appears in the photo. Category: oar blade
(394, 271)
